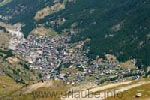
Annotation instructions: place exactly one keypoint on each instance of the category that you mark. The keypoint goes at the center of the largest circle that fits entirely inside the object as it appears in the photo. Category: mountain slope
(15, 68)
(23, 12)
(118, 27)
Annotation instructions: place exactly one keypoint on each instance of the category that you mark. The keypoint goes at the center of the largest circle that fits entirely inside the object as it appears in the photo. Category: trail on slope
(34, 87)
(103, 95)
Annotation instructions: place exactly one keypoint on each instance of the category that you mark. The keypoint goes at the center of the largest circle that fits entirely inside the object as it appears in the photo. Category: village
(59, 59)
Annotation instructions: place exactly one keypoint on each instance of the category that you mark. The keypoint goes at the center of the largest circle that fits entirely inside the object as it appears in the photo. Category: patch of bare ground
(4, 39)
(128, 64)
(36, 86)
(49, 10)
(12, 60)
(42, 31)
(9, 26)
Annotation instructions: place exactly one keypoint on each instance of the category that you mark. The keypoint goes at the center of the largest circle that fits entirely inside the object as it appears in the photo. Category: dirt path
(34, 87)
(103, 95)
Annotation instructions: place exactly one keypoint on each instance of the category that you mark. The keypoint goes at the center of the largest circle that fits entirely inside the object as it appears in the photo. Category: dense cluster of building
(51, 54)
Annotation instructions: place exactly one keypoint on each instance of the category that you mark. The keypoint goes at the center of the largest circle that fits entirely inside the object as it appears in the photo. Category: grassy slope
(18, 71)
(10, 89)
(7, 86)
(41, 93)
(130, 94)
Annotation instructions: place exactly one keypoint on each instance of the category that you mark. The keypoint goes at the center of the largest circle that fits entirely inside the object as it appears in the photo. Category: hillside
(93, 43)
(36, 91)
(23, 12)
(118, 27)
(14, 66)
(7, 86)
